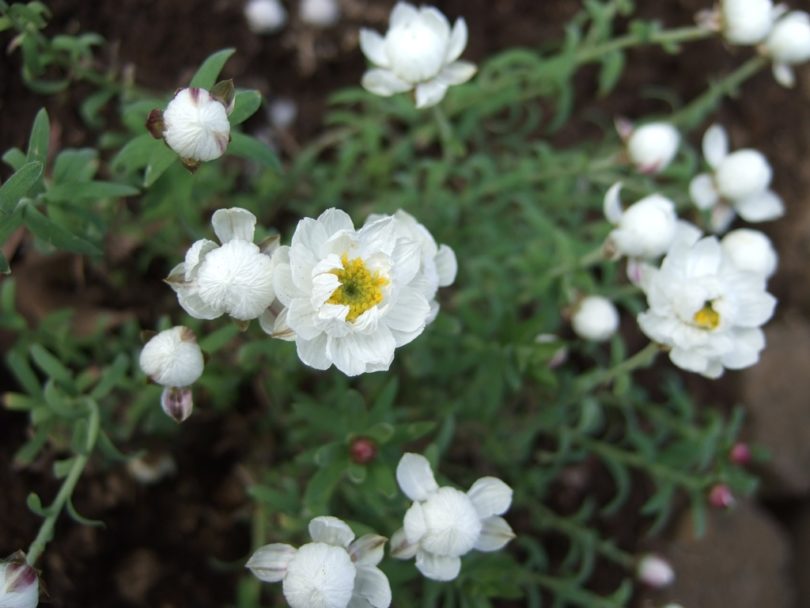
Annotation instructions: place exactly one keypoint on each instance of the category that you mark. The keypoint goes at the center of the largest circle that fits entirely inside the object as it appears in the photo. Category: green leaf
(14, 158)
(208, 72)
(45, 229)
(162, 158)
(245, 105)
(4, 267)
(219, 338)
(75, 516)
(49, 364)
(251, 148)
(612, 68)
(26, 454)
(136, 153)
(40, 138)
(18, 185)
(322, 485)
(75, 165)
(61, 468)
(79, 191)
(34, 503)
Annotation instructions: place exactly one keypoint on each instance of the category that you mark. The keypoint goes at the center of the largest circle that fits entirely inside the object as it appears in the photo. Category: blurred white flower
(333, 571)
(739, 183)
(234, 278)
(195, 125)
(419, 51)
(705, 309)
(652, 147)
(788, 44)
(320, 13)
(655, 571)
(265, 16)
(173, 358)
(595, 318)
(443, 523)
(19, 585)
(643, 230)
(351, 296)
(746, 21)
(751, 251)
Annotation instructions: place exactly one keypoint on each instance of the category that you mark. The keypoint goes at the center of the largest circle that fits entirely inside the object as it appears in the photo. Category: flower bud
(655, 571)
(746, 21)
(265, 16)
(653, 146)
(646, 229)
(789, 40)
(751, 251)
(19, 585)
(320, 13)
(173, 358)
(362, 450)
(196, 126)
(740, 454)
(595, 318)
(177, 403)
(742, 174)
(720, 497)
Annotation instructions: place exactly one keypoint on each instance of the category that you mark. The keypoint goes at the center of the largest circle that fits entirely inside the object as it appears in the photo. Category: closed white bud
(196, 125)
(19, 585)
(645, 229)
(595, 318)
(751, 251)
(789, 41)
(653, 146)
(742, 174)
(265, 16)
(173, 357)
(746, 21)
(177, 403)
(320, 13)
(655, 571)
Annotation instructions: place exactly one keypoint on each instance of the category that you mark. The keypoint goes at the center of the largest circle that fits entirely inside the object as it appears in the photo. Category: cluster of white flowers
(19, 585)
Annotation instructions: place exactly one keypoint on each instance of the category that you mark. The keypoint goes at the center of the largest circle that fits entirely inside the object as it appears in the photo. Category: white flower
(643, 230)
(19, 586)
(173, 358)
(438, 263)
(265, 16)
(351, 296)
(655, 571)
(196, 125)
(788, 44)
(443, 523)
(321, 13)
(330, 572)
(751, 251)
(653, 146)
(739, 183)
(419, 51)
(705, 309)
(746, 21)
(595, 318)
(235, 278)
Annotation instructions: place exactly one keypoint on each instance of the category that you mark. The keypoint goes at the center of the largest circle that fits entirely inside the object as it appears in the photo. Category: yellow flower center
(707, 317)
(360, 288)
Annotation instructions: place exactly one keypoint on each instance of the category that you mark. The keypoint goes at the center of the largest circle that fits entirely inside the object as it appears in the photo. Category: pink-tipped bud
(740, 454)
(363, 450)
(654, 571)
(177, 403)
(19, 585)
(720, 497)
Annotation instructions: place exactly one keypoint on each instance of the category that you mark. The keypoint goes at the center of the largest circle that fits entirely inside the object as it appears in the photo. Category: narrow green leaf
(322, 485)
(109, 449)
(75, 516)
(75, 165)
(4, 267)
(44, 228)
(40, 138)
(136, 153)
(26, 454)
(79, 191)
(251, 148)
(208, 72)
(245, 105)
(611, 71)
(18, 185)
(61, 468)
(24, 373)
(34, 503)
(14, 158)
(49, 364)
(162, 158)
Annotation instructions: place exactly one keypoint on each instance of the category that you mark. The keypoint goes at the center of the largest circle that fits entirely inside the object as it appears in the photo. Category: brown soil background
(159, 540)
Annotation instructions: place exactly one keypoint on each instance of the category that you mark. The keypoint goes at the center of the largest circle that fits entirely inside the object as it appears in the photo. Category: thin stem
(642, 358)
(445, 132)
(45, 533)
(258, 533)
(662, 38)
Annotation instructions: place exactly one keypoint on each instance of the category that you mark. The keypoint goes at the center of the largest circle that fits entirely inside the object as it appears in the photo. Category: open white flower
(707, 310)
(195, 125)
(444, 523)
(234, 278)
(333, 571)
(643, 230)
(652, 147)
(351, 296)
(172, 358)
(788, 44)
(438, 262)
(746, 21)
(19, 585)
(265, 16)
(751, 251)
(419, 51)
(739, 183)
(595, 318)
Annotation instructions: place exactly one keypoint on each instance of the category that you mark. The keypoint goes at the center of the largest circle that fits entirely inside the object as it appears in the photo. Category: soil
(160, 539)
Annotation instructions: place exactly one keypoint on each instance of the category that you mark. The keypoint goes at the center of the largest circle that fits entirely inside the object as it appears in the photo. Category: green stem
(445, 132)
(258, 534)
(562, 589)
(642, 358)
(45, 533)
(662, 38)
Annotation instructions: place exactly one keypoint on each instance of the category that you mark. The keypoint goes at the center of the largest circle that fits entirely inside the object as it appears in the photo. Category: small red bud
(720, 497)
(740, 454)
(363, 450)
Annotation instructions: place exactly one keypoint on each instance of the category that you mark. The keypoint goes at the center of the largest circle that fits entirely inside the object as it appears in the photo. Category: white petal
(402, 13)
(415, 477)
(269, 563)
(715, 145)
(612, 204)
(234, 223)
(384, 82)
(494, 534)
(446, 265)
(437, 567)
(458, 72)
(373, 47)
(458, 40)
(414, 523)
(490, 496)
(691, 360)
(303, 319)
(762, 207)
(721, 218)
(748, 344)
(400, 547)
(330, 530)
(784, 75)
(703, 192)
(372, 585)
(195, 255)
(313, 352)
(434, 19)
(367, 550)
(335, 220)
(407, 260)
(430, 93)
(408, 316)
(353, 353)
(193, 304)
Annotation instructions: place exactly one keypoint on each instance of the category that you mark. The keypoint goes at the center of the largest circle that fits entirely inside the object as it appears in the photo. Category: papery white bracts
(746, 22)
(751, 251)
(643, 230)
(19, 585)
(650, 147)
(195, 125)
(787, 45)
(595, 318)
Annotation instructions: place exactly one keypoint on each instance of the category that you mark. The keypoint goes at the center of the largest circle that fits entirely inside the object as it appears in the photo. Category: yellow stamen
(707, 317)
(360, 288)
